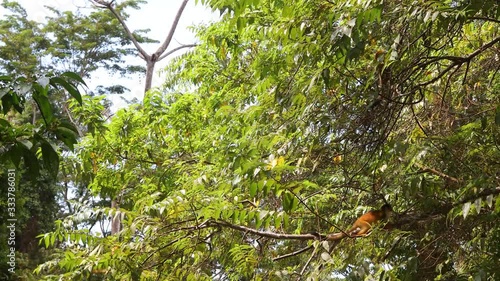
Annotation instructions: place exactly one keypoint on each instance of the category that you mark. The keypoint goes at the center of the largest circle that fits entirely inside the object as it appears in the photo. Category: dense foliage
(36, 124)
(32, 133)
(293, 117)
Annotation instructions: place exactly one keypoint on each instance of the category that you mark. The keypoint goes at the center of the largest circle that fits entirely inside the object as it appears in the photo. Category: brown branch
(418, 121)
(486, 192)
(315, 213)
(267, 234)
(408, 218)
(177, 223)
(436, 172)
(176, 49)
(440, 75)
(109, 6)
(448, 83)
(307, 263)
(485, 19)
(483, 48)
(456, 61)
(165, 43)
(293, 253)
(65, 108)
(204, 224)
(441, 211)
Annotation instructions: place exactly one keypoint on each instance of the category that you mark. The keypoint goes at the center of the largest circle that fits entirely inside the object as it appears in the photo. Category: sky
(156, 15)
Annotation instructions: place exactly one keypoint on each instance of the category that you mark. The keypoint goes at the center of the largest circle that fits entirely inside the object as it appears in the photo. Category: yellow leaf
(281, 161)
(337, 159)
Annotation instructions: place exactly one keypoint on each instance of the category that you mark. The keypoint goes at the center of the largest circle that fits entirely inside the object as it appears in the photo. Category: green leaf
(16, 153)
(242, 216)
(68, 125)
(5, 78)
(74, 76)
(26, 143)
(289, 201)
(50, 158)
(47, 240)
(226, 214)
(4, 92)
(43, 104)
(72, 90)
(52, 239)
(253, 189)
(67, 136)
(4, 123)
(277, 220)
(31, 161)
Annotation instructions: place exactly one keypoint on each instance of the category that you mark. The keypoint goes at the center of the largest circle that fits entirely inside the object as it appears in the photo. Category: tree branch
(109, 5)
(300, 251)
(436, 172)
(165, 43)
(315, 213)
(267, 234)
(441, 211)
(175, 50)
(485, 19)
(486, 192)
(307, 263)
(456, 61)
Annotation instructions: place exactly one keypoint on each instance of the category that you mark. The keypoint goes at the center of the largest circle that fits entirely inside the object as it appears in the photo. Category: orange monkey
(363, 224)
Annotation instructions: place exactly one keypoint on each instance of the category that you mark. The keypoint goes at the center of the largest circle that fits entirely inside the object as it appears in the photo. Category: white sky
(156, 15)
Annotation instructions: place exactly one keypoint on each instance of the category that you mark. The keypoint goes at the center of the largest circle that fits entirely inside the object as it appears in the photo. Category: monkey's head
(387, 211)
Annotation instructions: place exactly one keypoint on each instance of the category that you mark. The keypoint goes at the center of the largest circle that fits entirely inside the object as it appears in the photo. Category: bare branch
(300, 251)
(485, 19)
(456, 61)
(307, 263)
(175, 50)
(483, 48)
(170, 35)
(484, 193)
(109, 5)
(267, 234)
(436, 172)
(315, 213)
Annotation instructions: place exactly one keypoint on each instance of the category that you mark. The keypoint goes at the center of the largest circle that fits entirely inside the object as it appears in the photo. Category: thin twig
(268, 234)
(436, 172)
(307, 263)
(176, 49)
(293, 253)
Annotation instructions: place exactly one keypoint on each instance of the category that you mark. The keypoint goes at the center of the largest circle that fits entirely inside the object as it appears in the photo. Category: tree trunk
(115, 220)
(150, 68)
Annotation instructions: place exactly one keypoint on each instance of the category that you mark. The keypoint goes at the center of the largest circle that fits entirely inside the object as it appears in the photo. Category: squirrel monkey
(363, 224)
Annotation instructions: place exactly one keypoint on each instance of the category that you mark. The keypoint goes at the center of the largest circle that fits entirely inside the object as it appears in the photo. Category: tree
(29, 154)
(150, 60)
(40, 123)
(298, 120)
(68, 41)
(22, 41)
(159, 54)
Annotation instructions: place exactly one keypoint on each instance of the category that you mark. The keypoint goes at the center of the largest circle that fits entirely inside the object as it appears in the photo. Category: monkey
(362, 226)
